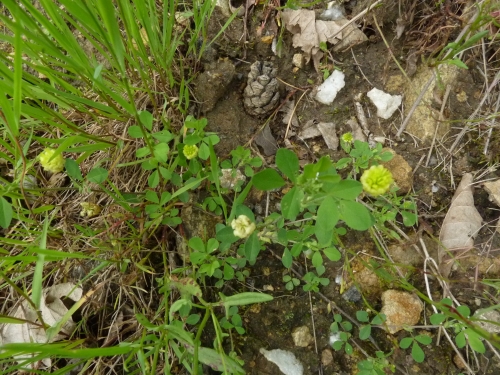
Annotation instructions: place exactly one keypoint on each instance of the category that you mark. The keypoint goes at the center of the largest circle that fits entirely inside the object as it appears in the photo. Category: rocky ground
(427, 166)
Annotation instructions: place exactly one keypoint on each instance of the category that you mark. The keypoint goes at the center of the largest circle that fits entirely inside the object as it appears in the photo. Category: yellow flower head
(347, 137)
(242, 226)
(51, 163)
(190, 151)
(89, 209)
(376, 180)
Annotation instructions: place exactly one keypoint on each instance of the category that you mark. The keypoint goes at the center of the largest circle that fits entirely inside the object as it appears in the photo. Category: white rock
(329, 89)
(285, 360)
(386, 103)
(487, 317)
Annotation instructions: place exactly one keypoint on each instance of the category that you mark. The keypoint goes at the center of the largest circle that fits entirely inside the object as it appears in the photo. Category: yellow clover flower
(242, 226)
(190, 151)
(376, 180)
(51, 163)
(347, 137)
(89, 209)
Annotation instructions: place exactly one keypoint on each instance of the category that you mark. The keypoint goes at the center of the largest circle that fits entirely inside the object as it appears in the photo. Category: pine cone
(261, 94)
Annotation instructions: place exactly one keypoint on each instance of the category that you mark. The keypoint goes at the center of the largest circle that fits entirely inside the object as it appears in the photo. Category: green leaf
(177, 305)
(326, 219)
(161, 151)
(226, 235)
(379, 319)
(73, 169)
(456, 62)
(409, 218)
(386, 156)
(423, 339)
(288, 163)
(355, 215)
(346, 189)
(475, 341)
(460, 340)
(332, 253)
(241, 209)
(212, 245)
(152, 196)
(417, 353)
(437, 318)
(165, 197)
(406, 342)
(342, 163)
(163, 136)
(192, 139)
(290, 203)
(365, 332)
(97, 175)
(362, 316)
(135, 131)
(287, 258)
(142, 152)
(246, 298)
(196, 243)
(146, 119)
(228, 272)
(165, 173)
(193, 319)
(212, 138)
(198, 258)
(348, 348)
(268, 179)
(464, 310)
(252, 248)
(6, 213)
(317, 259)
(337, 345)
(204, 151)
(154, 179)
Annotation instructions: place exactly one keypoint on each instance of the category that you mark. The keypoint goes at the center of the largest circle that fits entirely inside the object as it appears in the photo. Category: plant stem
(197, 339)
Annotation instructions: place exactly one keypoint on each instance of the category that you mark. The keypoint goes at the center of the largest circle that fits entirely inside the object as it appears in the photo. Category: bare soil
(365, 66)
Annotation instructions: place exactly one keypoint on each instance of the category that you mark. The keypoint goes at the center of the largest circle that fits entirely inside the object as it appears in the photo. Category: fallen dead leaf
(52, 310)
(460, 226)
(266, 140)
(357, 132)
(288, 109)
(308, 32)
(313, 129)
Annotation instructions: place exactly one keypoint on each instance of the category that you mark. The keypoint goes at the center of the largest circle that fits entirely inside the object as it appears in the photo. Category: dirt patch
(365, 66)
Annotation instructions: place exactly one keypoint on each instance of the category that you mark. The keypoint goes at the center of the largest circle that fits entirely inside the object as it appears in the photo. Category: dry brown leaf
(52, 310)
(309, 32)
(460, 226)
(288, 109)
(266, 140)
(313, 129)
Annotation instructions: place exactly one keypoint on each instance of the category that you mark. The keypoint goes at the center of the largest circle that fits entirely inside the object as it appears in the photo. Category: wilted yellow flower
(190, 151)
(90, 209)
(376, 180)
(242, 226)
(51, 163)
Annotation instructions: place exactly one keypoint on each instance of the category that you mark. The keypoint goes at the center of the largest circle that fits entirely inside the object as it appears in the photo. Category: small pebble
(298, 60)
